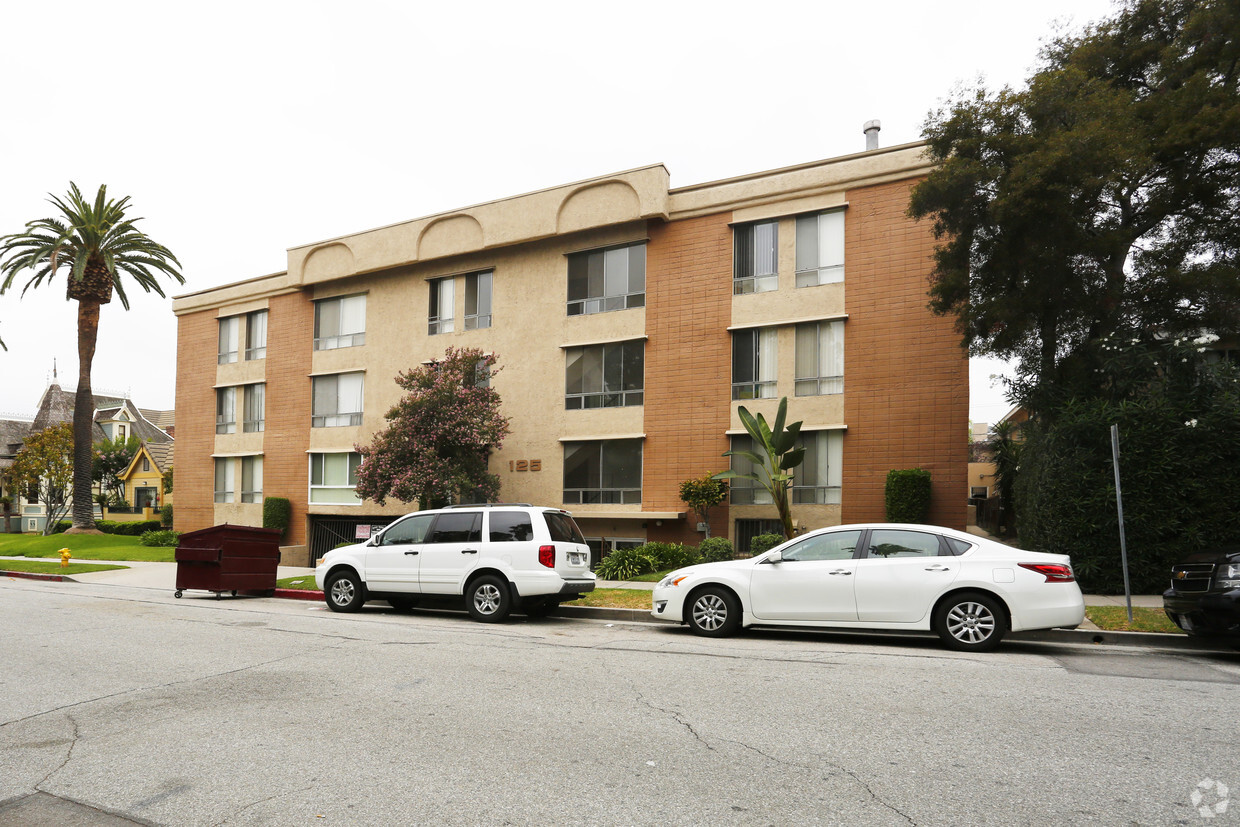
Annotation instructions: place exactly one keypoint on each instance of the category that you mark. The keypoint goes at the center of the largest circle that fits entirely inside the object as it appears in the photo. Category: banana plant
(774, 459)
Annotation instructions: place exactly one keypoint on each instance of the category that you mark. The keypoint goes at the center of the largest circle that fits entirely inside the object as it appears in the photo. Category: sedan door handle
(938, 568)
(469, 551)
(840, 571)
(411, 552)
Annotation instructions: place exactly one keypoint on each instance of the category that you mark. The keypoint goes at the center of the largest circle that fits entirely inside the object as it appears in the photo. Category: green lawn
(1115, 619)
(301, 581)
(83, 547)
(49, 567)
(615, 599)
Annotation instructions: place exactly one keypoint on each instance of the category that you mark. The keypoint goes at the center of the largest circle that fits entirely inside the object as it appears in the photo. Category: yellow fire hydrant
(64, 556)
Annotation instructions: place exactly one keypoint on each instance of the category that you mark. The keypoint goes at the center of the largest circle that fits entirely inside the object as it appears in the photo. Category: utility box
(228, 558)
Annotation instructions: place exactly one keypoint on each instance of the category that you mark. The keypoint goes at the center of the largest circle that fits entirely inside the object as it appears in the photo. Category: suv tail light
(546, 556)
(1055, 572)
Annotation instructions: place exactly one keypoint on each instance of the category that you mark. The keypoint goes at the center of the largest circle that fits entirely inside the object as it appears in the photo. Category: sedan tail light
(1055, 572)
(546, 556)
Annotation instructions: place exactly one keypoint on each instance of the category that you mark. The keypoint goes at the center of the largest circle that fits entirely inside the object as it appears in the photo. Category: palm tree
(95, 244)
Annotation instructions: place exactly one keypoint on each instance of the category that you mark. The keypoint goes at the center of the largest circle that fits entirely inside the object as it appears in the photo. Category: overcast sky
(241, 129)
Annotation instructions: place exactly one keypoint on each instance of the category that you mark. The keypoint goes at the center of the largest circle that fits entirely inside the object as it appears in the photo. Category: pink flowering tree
(439, 435)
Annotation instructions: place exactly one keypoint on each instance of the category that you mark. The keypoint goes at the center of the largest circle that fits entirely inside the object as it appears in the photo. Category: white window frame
(600, 395)
(333, 494)
(824, 455)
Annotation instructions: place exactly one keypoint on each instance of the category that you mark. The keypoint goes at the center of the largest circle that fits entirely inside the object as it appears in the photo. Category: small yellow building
(144, 478)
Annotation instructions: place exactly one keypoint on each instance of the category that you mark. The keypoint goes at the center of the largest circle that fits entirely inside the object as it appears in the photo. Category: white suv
(496, 556)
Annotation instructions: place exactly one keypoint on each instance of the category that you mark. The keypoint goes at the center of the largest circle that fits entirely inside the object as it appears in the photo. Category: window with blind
(337, 400)
(607, 471)
(820, 248)
(600, 281)
(441, 316)
(340, 322)
(753, 363)
(478, 300)
(755, 257)
(256, 335)
(604, 376)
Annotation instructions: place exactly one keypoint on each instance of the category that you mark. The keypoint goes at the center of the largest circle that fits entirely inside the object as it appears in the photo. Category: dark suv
(1204, 598)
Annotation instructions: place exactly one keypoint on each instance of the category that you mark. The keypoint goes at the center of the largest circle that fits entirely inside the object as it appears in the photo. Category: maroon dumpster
(228, 558)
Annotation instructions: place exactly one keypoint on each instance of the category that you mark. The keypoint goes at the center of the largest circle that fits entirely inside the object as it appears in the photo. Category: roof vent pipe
(871, 134)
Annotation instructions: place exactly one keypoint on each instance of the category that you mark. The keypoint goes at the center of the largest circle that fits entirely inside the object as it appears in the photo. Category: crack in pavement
(139, 689)
(261, 801)
(675, 716)
(68, 755)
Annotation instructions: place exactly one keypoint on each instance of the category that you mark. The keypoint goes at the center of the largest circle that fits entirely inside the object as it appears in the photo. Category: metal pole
(1119, 503)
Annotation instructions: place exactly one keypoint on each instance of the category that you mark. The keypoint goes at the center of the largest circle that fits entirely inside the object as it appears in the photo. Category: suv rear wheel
(488, 599)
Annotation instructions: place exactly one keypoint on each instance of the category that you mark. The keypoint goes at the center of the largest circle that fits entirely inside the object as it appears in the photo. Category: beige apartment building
(630, 319)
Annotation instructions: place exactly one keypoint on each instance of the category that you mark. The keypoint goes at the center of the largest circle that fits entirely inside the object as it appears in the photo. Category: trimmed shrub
(714, 549)
(160, 538)
(762, 542)
(135, 528)
(61, 527)
(671, 555)
(165, 516)
(277, 513)
(908, 495)
(625, 564)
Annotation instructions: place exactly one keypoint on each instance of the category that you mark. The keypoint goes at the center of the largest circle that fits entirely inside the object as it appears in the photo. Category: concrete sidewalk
(141, 574)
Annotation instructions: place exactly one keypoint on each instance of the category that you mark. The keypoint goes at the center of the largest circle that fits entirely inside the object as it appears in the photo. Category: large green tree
(111, 458)
(1102, 199)
(95, 245)
(440, 435)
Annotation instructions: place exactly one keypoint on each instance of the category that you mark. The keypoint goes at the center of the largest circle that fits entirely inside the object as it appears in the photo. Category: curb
(34, 575)
(1075, 636)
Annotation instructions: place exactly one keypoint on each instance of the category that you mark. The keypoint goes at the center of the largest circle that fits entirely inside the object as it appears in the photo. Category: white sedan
(969, 590)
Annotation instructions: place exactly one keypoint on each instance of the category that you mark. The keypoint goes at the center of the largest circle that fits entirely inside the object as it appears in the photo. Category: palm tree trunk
(84, 419)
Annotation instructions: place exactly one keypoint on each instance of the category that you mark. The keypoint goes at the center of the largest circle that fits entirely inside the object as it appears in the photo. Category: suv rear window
(511, 527)
(563, 528)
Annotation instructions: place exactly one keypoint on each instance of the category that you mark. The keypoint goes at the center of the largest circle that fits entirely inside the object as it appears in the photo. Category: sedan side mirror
(775, 557)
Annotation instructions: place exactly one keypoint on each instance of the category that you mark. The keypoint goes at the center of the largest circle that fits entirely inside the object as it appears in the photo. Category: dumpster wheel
(177, 594)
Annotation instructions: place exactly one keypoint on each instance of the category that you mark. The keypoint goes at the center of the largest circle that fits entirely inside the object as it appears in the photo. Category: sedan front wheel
(713, 612)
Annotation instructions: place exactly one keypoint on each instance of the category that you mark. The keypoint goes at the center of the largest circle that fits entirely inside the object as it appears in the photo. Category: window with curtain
(819, 358)
(225, 479)
(333, 478)
(817, 479)
(337, 400)
(820, 248)
(604, 376)
(603, 280)
(605, 471)
(255, 408)
(755, 257)
(256, 335)
(440, 317)
(225, 411)
(340, 322)
(478, 300)
(251, 479)
(753, 363)
(746, 491)
(229, 331)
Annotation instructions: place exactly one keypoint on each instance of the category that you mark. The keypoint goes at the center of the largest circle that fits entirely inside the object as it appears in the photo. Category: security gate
(328, 532)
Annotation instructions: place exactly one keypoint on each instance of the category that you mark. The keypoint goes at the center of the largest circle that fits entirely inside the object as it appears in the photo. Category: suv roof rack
(490, 505)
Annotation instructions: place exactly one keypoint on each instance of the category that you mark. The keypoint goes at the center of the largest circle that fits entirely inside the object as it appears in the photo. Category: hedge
(908, 495)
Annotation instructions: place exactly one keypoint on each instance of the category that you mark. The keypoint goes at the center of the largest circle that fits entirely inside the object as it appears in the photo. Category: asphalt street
(122, 704)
